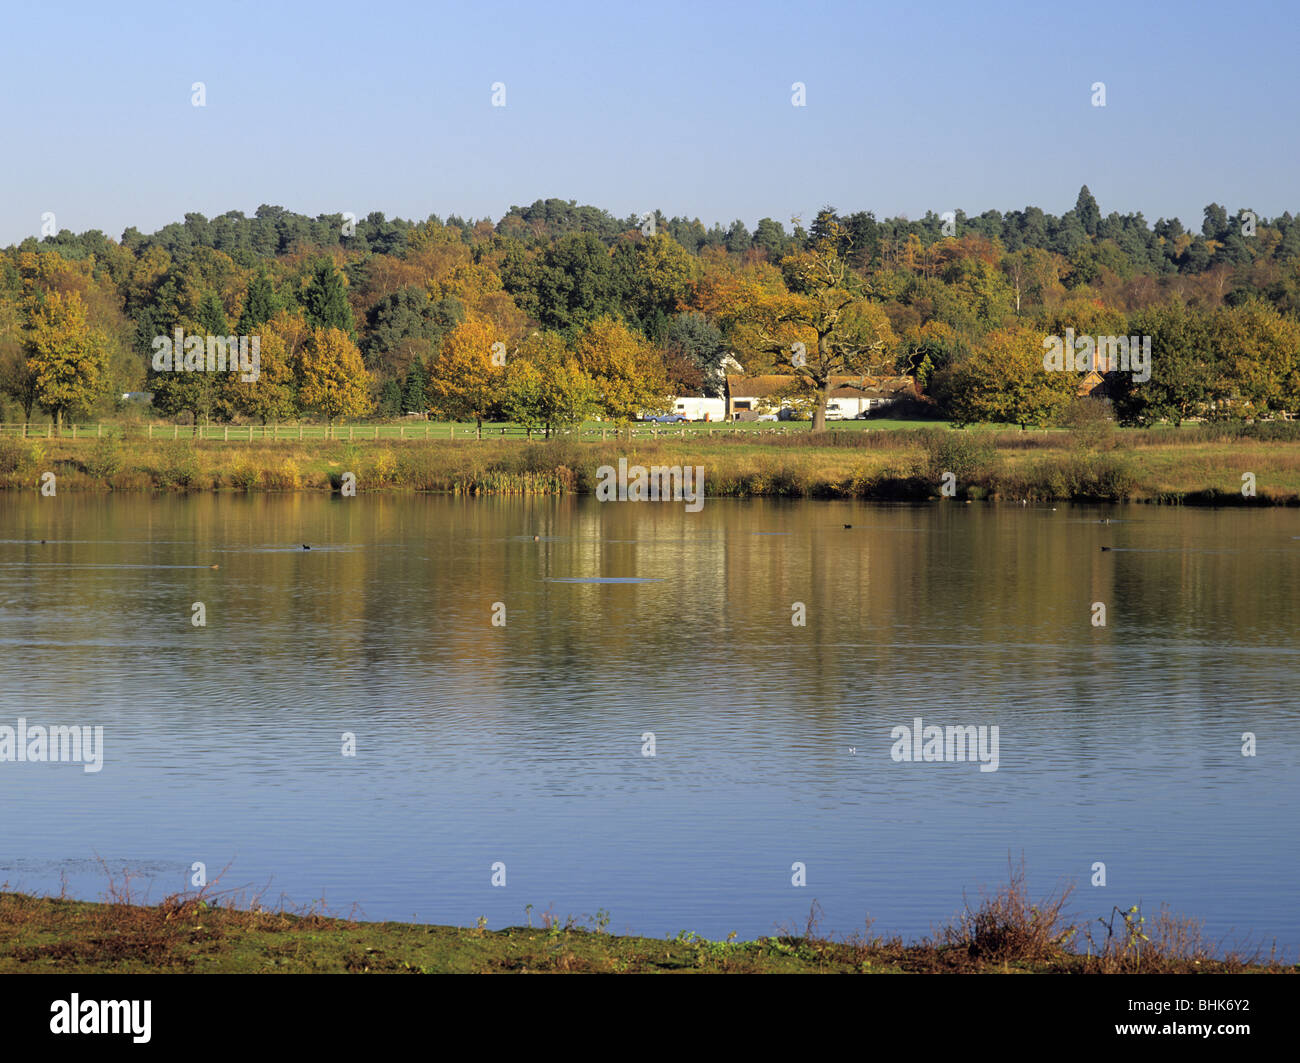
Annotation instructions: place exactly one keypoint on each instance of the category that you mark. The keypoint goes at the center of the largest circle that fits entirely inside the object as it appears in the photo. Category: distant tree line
(559, 311)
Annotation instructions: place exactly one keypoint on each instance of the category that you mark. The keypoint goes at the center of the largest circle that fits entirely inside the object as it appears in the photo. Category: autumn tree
(64, 355)
(823, 324)
(1005, 381)
(546, 388)
(625, 368)
(1034, 275)
(272, 396)
(464, 382)
(331, 377)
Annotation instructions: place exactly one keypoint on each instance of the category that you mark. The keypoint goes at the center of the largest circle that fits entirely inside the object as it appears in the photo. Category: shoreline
(900, 465)
(1006, 935)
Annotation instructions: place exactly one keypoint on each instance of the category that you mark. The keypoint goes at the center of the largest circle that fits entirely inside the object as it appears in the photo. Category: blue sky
(686, 108)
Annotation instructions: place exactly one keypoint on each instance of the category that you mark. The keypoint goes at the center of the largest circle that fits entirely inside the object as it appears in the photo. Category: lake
(522, 741)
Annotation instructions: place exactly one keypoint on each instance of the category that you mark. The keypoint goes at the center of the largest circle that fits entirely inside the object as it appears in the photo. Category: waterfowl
(848, 525)
(305, 546)
(537, 538)
(214, 566)
(1105, 548)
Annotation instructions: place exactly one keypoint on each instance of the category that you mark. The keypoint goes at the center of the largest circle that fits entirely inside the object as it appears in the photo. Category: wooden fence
(360, 433)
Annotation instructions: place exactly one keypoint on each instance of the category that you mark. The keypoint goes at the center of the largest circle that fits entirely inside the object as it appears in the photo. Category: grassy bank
(1204, 464)
(1004, 933)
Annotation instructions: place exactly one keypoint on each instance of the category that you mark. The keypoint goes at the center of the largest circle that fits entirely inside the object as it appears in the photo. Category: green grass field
(413, 429)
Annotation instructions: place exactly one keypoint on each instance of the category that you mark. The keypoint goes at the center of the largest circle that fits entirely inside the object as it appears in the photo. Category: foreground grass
(1003, 934)
(1198, 465)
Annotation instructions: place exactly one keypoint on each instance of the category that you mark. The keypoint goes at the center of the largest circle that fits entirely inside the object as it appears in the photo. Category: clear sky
(684, 107)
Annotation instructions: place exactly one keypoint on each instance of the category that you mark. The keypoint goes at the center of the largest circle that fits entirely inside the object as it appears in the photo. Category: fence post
(74, 431)
(99, 431)
(299, 431)
(176, 431)
(151, 433)
(426, 430)
(376, 433)
(401, 431)
(453, 430)
(225, 433)
(349, 433)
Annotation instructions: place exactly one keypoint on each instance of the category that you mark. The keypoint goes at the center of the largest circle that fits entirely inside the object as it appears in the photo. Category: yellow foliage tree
(625, 368)
(1006, 381)
(331, 376)
(821, 323)
(464, 382)
(65, 356)
(271, 396)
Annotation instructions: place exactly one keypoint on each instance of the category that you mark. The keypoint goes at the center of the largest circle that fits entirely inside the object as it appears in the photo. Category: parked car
(766, 417)
(667, 418)
(833, 412)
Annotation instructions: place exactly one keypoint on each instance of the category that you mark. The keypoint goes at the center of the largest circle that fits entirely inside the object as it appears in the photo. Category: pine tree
(414, 390)
(260, 304)
(326, 299)
(1087, 211)
(212, 316)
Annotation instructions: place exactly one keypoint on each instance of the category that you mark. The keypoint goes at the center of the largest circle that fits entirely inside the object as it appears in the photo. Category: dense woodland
(598, 316)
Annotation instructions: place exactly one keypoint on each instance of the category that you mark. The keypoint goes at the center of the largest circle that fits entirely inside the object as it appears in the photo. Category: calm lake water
(523, 743)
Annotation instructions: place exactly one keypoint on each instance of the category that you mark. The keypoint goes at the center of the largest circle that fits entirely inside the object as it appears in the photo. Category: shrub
(18, 455)
(1090, 422)
(379, 468)
(967, 455)
(105, 458)
(1080, 477)
(244, 476)
(1008, 927)
(286, 478)
(180, 467)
